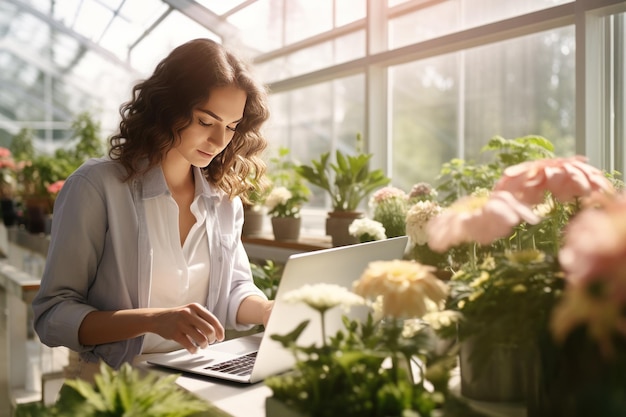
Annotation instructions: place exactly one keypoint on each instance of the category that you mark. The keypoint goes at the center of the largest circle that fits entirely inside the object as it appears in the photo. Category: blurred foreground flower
(408, 289)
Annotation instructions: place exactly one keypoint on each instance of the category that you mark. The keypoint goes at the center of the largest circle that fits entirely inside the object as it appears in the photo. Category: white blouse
(180, 275)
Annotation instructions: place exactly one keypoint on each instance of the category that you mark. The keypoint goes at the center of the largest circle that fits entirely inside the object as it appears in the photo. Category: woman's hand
(191, 325)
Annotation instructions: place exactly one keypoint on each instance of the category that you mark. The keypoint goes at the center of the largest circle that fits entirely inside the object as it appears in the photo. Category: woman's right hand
(191, 325)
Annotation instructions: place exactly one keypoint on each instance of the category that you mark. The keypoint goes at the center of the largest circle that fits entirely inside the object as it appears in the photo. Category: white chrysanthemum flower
(279, 195)
(322, 296)
(373, 228)
(417, 218)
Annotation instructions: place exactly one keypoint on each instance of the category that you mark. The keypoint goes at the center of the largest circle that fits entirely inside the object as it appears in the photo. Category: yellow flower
(525, 257)
(408, 288)
(484, 277)
(519, 288)
(489, 263)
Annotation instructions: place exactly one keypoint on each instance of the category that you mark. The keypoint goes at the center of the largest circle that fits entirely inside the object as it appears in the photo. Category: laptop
(252, 358)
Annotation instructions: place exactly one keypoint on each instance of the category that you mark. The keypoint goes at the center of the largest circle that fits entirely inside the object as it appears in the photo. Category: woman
(145, 252)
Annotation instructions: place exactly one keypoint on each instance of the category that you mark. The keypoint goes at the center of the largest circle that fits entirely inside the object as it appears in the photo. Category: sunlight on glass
(260, 25)
(306, 18)
(220, 6)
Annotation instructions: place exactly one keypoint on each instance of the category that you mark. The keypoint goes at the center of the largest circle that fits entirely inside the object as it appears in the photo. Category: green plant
(267, 276)
(458, 177)
(40, 170)
(127, 392)
(289, 191)
(258, 189)
(348, 181)
(377, 367)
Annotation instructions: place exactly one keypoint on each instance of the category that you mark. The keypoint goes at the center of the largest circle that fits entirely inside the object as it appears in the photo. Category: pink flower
(479, 219)
(603, 319)
(55, 187)
(595, 244)
(4, 152)
(593, 259)
(565, 178)
(387, 193)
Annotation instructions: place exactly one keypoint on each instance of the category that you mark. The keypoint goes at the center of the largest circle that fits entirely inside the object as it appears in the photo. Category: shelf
(264, 247)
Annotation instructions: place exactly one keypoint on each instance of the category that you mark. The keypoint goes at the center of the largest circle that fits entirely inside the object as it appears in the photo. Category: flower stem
(323, 320)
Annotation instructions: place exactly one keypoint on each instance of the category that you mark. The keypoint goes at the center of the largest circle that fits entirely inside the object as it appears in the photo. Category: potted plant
(289, 192)
(502, 243)
(8, 170)
(253, 205)
(41, 175)
(125, 392)
(348, 181)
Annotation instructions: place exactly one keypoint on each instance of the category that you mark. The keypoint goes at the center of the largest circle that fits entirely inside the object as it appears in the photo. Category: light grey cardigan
(100, 256)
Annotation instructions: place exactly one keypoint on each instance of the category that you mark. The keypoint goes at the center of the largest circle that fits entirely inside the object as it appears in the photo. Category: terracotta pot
(38, 210)
(252, 221)
(286, 228)
(337, 224)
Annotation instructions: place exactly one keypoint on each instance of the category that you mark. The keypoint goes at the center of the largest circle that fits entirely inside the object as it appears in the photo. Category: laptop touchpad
(239, 345)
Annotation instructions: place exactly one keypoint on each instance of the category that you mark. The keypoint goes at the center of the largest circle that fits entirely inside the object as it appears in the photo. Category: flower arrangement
(582, 358)
(512, 236)
(367, 230)
(381, 366)
(283, 203)
(502, 245)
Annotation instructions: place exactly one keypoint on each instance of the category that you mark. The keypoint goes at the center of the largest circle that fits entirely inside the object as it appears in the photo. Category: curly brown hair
(162, 106)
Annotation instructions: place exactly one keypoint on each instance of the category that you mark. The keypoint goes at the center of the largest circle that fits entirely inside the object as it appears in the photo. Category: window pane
(347, 11)
(515, 88)
(165, 37)
(454, 15)
(306, 18)
(336, 51)
(261, 24)
(317, 119)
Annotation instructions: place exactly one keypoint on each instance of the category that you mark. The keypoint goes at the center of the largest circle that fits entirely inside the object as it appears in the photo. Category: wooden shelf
(263, 247)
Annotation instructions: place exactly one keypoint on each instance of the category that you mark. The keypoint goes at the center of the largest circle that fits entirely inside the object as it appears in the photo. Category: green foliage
(257, 192)
(391, 213)
(22, 146)
(283, 173)
(41, 170)
(267, 276)
(348, 375)
(506, 291)
(348, 181)
(87, 131)
(127, 392)
(458, 178)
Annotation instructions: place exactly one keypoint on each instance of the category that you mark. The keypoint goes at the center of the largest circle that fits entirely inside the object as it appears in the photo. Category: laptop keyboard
(241, 365)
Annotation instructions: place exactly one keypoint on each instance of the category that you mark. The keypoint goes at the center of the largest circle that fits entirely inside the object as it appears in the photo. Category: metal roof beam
(205, 17)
